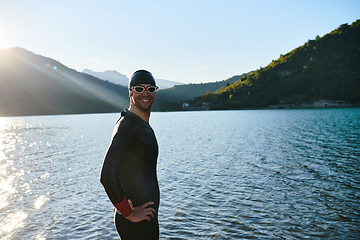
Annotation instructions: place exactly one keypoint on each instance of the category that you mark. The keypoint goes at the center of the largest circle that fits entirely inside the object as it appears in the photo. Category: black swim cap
(142, 77)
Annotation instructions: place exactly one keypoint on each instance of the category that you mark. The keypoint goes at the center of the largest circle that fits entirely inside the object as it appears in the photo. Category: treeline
(171, 99)
(325, 68)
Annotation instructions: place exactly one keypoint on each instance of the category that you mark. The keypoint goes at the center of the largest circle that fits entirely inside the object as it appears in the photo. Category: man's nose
(145, 92)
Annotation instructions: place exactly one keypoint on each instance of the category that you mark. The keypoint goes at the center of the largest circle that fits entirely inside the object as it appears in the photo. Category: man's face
(142, 101)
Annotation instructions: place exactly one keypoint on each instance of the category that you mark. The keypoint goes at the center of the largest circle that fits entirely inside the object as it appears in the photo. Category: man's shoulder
(128, 121)
(127, 118)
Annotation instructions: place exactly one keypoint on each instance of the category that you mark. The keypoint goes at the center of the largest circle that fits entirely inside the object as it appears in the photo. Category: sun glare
(2, 39)
(4, 42)
(3, 124)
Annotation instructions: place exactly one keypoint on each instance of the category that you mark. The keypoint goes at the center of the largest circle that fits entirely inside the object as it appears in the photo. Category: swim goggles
(140, 89)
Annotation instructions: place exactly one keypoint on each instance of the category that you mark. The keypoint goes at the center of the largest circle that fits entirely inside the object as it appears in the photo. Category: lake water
(257, 174)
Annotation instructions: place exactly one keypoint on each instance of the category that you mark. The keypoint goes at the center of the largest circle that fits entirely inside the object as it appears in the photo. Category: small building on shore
(199, 106)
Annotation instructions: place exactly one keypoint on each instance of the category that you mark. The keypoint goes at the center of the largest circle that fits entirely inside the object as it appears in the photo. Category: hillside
(110, 75)
(170, 99)
(31, 84)
(324, 68)
(35, 85)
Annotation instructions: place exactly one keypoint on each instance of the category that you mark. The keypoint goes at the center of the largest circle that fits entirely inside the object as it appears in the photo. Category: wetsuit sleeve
(122, 142)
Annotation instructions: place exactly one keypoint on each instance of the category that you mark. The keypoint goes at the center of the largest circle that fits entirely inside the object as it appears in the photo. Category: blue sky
(186, 41)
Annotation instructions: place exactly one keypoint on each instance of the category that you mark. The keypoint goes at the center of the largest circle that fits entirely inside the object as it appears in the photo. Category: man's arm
(123, 141)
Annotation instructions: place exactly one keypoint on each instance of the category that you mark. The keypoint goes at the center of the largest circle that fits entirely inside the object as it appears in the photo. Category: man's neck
(144, 115)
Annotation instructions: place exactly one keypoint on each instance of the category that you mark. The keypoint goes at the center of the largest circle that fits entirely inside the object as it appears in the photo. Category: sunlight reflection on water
(15, 220)
(40, 201)
(223, 175)
(10, 178)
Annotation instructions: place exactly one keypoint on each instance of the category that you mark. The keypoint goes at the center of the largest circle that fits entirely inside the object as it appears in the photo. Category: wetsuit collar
(126, 112)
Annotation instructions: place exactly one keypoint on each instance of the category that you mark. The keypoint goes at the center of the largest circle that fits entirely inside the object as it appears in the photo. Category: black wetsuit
(129, 172)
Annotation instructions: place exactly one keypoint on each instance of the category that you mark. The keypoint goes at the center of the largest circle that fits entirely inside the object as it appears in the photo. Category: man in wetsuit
(128, 172)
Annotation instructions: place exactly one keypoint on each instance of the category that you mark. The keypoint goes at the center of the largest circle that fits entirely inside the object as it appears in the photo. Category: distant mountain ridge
(31, 84)
(110, 75)
(118, 78)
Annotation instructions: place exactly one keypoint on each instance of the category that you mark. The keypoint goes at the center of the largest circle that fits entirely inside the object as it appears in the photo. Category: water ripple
(279, 174)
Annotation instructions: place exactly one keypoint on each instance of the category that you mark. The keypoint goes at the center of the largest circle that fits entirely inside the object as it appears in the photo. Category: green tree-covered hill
(170, 99)
(324, 68)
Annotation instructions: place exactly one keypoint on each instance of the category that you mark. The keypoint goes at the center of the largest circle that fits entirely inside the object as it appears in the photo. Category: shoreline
(273, 107)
